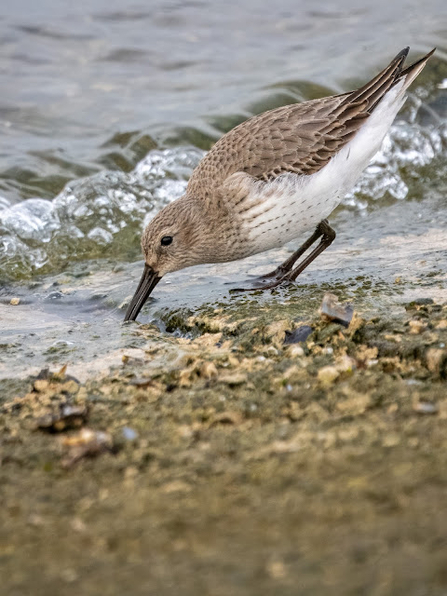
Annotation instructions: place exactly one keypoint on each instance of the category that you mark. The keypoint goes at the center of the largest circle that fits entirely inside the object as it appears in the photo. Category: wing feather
(298, 138)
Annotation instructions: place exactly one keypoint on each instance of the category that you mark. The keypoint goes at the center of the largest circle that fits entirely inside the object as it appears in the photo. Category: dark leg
(285, 267)
(284, 272)
(328, 236)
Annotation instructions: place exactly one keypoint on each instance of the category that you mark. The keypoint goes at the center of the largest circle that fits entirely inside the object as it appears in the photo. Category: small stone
(208, 370)
(298, 335)
(67, 417)
(185, 377)
(295, 351)
(442, 324)
(393, 337)
(345, 364)
(348, 434)
(416, 327)
(279, 447)
(234, 380)
(54, 296)
(328, 374)
(85, 443)
(229, 417)
(435, 358)
(333, 310)
(424, 407)
(14, 301)
(41, 385)
(130, 434)
(272, 351)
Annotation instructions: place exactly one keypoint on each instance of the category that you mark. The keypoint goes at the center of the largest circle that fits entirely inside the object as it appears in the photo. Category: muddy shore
(226, 461)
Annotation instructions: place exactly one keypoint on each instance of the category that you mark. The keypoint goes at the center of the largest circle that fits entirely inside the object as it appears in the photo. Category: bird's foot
(264, 282)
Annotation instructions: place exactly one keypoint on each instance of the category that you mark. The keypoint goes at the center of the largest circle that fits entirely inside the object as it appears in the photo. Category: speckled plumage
(273, 178)
(299, 138)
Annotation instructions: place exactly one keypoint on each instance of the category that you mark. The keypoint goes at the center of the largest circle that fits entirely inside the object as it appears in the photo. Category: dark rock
(298, 335)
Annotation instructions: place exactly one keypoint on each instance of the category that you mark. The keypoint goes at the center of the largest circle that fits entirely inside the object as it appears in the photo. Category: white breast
(291, 206)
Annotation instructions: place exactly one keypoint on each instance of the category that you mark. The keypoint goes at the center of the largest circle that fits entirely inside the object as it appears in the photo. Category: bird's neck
(215, 228)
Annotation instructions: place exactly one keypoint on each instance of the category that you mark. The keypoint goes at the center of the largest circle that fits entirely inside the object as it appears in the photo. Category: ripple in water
(405, 151)
(103, 215)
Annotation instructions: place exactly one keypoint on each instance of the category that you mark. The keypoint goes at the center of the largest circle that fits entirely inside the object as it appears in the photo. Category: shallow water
(107, 108)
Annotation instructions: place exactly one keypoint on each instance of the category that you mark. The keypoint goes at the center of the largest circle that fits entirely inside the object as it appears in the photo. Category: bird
(272, 179)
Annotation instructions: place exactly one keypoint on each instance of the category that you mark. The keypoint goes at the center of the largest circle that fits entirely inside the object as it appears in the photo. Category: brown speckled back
(299, 138)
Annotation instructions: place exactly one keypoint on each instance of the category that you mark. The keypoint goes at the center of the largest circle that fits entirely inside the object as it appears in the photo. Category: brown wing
(298, 138)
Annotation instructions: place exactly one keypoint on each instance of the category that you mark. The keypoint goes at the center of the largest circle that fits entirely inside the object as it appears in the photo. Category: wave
(103, 215)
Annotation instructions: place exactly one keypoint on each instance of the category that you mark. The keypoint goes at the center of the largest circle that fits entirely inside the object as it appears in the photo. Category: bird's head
(177, 237)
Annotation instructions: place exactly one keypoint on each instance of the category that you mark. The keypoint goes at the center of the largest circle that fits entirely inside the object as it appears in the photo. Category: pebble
(417, 327)
(228, 417)
(67, 417)
(435, 358)
(333, 310)
(87, 442)
(295, 351)
(130, 434)
(425, 407)
(328, 374)
(208, 370)
(298, 335)
(234, 380)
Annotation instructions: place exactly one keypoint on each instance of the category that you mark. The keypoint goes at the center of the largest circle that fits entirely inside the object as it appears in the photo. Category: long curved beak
(148, 281)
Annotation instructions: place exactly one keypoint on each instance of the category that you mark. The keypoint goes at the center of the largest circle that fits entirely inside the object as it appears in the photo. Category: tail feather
(376, 88)
(371, 94)
(412, 71)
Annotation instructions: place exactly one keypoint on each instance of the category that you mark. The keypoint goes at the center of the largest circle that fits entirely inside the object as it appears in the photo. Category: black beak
(148, 281)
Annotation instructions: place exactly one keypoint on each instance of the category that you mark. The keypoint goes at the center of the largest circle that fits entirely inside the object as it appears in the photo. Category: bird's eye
(166, 240)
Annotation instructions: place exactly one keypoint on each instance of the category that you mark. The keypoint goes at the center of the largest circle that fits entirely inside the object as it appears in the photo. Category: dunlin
(272, 179)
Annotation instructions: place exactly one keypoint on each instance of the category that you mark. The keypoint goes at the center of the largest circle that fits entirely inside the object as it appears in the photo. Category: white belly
(290, 206)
